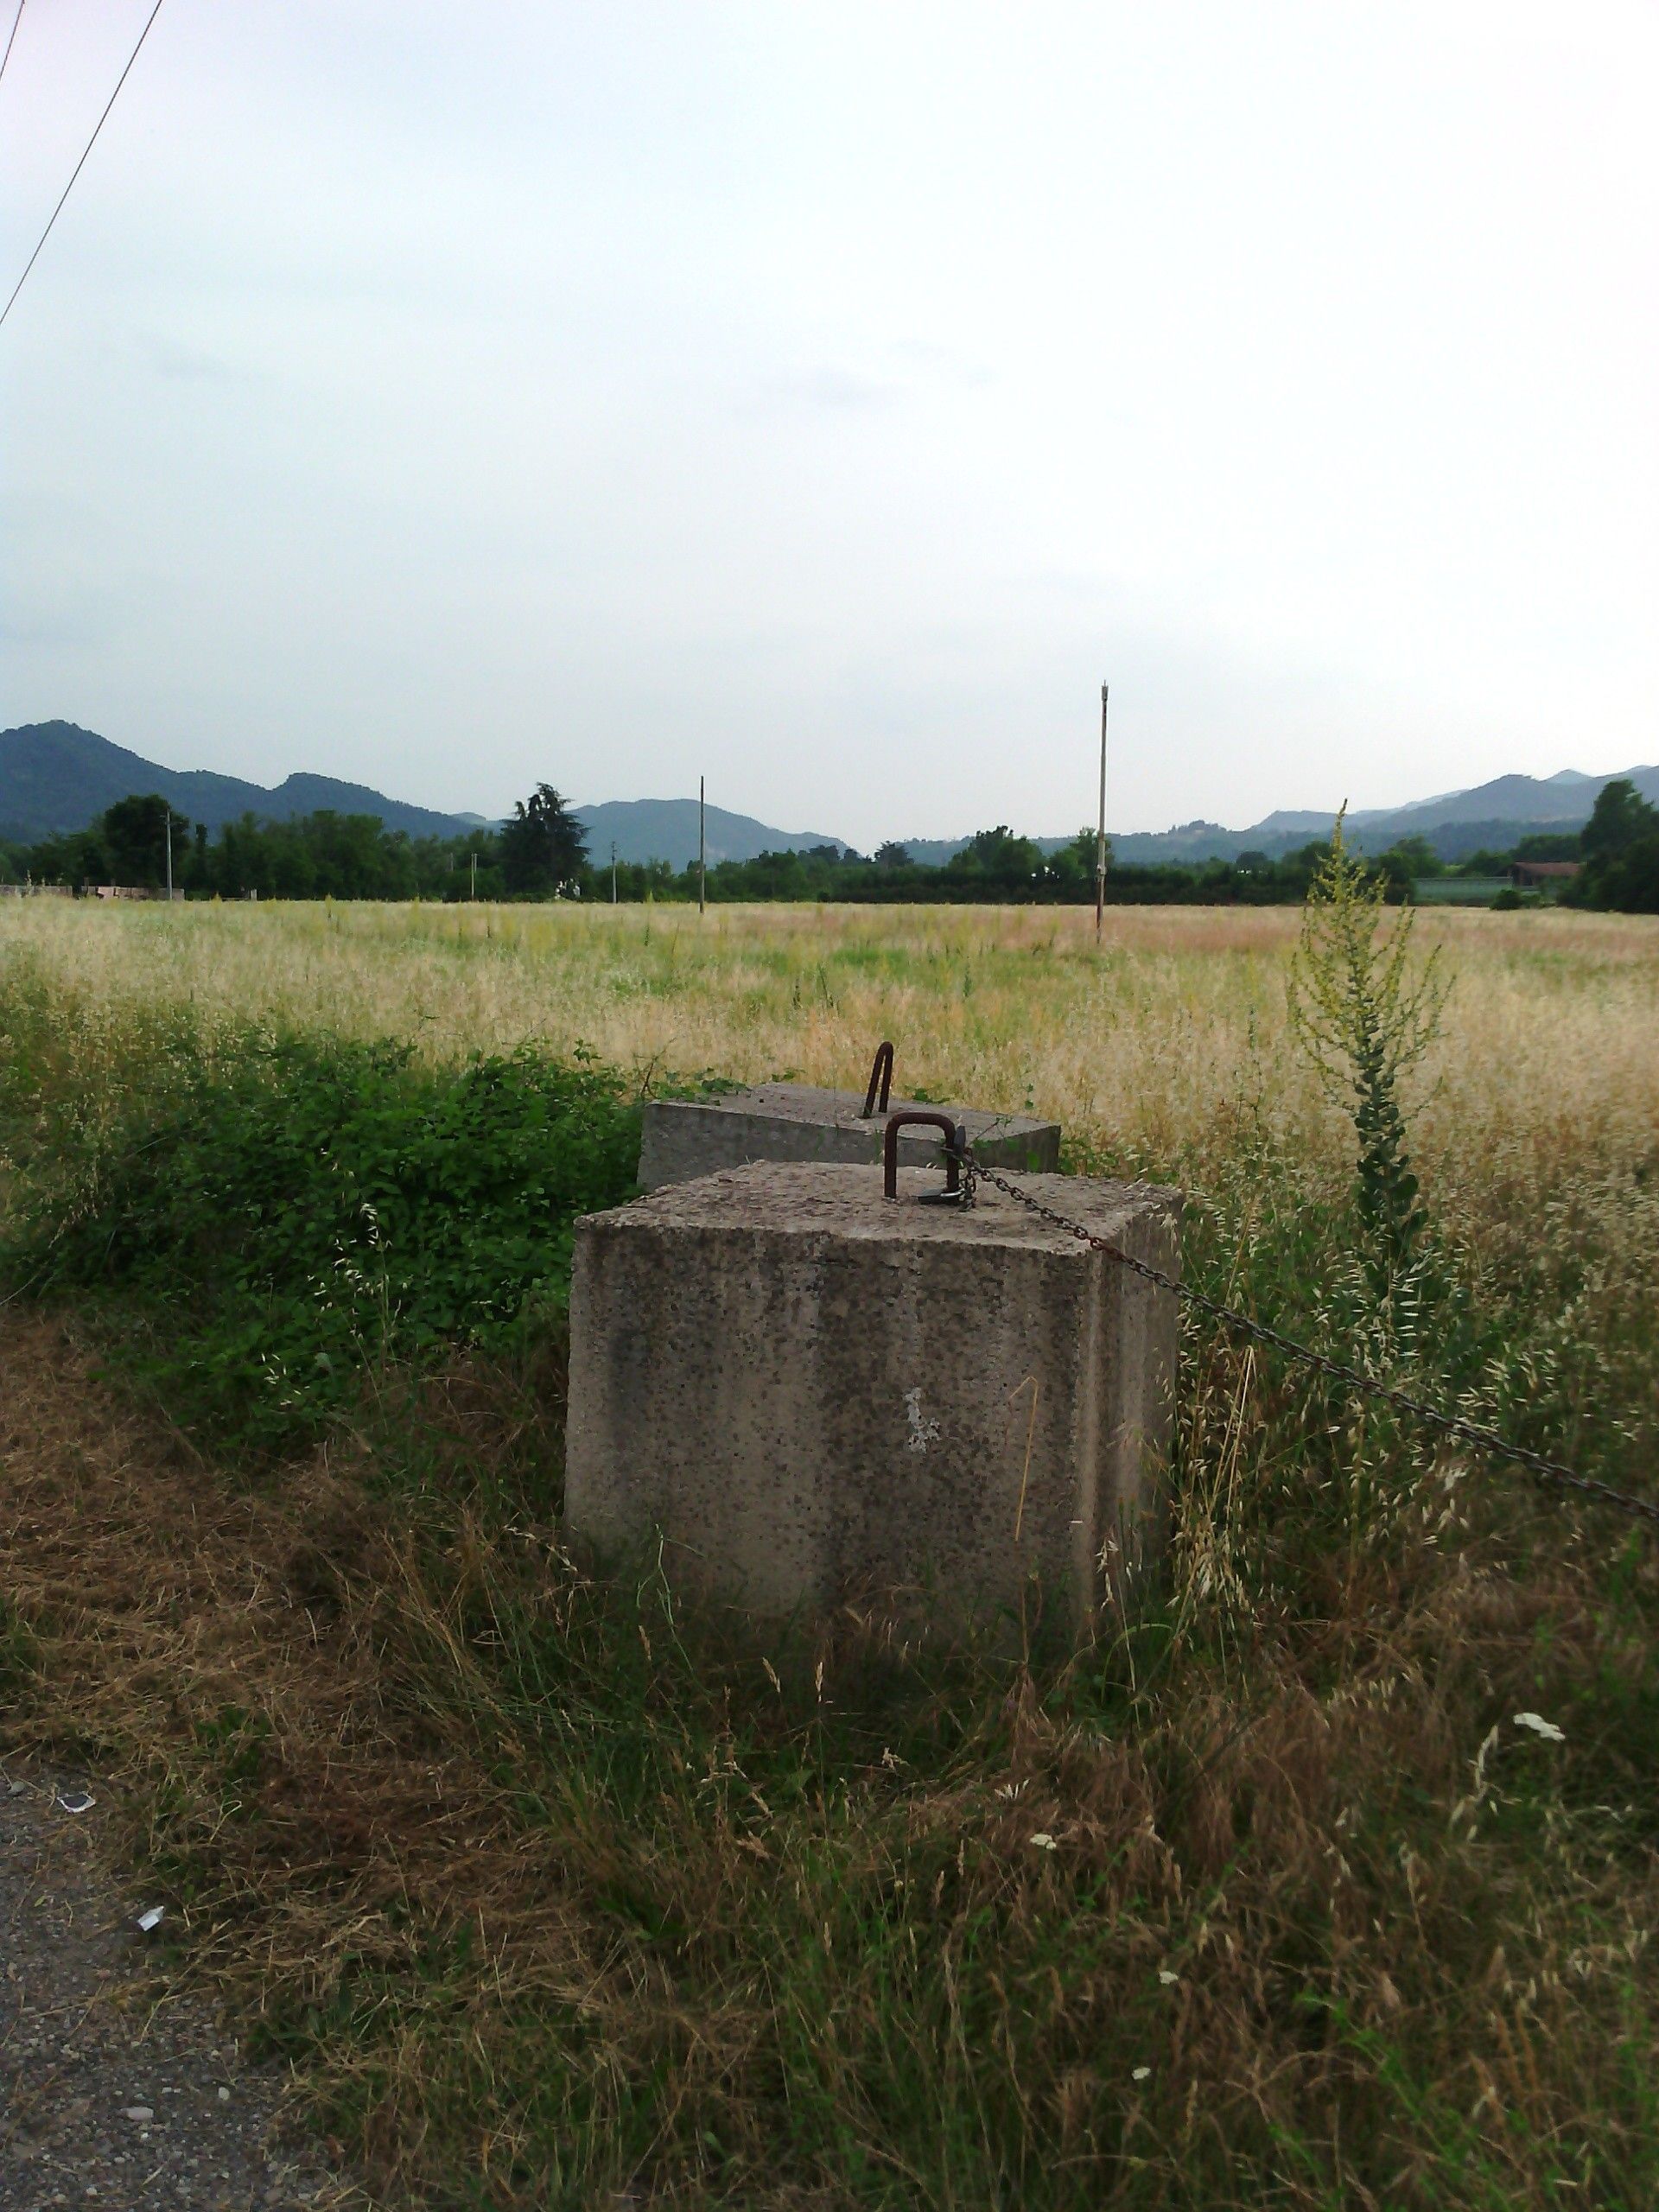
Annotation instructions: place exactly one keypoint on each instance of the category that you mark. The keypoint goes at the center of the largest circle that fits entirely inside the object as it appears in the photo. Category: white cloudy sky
(828, 397)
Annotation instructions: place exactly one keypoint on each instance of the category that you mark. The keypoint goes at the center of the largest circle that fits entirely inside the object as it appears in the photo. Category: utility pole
(169, 852)
(1100, 835)
(703, 852)
(612, 871)
(475, 889)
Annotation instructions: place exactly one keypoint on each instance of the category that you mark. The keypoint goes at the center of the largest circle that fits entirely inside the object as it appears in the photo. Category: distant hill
(666, 829)
(1491, 816)
(933, 852)
(56, 776)
(1509, 799)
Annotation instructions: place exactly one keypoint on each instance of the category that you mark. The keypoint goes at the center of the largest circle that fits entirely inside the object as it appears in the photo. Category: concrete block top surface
(688, 1137)
(807, 1198)
(844, 1109)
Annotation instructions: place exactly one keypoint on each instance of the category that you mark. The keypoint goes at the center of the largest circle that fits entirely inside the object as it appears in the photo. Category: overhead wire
(82, 163)
(15, 20)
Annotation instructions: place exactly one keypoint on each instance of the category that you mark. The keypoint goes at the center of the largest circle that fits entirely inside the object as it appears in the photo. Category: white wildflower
(1540, 1727)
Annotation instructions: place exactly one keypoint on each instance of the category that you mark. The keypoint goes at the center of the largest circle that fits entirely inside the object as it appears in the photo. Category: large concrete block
(818, 1394)
(684, 1138)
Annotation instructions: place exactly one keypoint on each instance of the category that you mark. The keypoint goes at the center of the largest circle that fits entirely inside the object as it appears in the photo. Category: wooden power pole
(1100, 835)
(703, 852)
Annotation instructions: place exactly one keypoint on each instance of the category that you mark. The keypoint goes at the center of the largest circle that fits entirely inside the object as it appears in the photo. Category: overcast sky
(828, 398)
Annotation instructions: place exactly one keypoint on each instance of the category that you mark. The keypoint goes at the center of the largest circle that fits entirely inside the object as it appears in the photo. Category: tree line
(1616, 854)
(141, 840)
(1618, 848)
(541, 853)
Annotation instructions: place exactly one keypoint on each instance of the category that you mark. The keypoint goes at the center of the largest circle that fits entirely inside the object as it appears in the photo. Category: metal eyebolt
(956, 1145)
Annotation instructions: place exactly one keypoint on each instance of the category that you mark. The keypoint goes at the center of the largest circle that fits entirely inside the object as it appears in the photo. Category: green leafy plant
(285, 1212)
(1364, 1015)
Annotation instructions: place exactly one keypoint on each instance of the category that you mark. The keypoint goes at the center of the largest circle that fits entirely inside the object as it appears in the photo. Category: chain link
(1467, 1431)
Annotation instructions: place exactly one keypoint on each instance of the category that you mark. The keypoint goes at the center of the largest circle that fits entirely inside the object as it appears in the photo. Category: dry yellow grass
(1551, 1046)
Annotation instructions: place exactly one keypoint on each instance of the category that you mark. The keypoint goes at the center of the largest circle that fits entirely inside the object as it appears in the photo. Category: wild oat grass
(557, 1894)
(1550, 1040)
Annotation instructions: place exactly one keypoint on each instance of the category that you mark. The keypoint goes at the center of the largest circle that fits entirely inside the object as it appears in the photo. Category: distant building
(1534, 875)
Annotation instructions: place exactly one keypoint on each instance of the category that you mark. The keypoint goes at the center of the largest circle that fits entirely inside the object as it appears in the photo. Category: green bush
(283, 1212)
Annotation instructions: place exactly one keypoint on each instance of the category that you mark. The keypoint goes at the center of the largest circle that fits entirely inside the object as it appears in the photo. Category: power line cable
(82, 163)
(15, 20)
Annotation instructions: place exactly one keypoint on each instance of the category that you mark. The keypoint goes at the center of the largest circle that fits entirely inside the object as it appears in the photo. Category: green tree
(1629, 882)
(998, 859)
(133, 833)
(1409, 858)
(1073, 864)
(1363, 1017)
(1621, 853)
(544, 848)
(1544, 845)
(1620, 817)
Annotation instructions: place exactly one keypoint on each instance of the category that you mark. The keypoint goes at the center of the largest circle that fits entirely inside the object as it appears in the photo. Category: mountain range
(1489, 817)
(666, 829)
(56, 776)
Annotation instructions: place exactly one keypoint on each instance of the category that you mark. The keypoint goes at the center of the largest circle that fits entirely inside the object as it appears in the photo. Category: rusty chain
(1467, 1432)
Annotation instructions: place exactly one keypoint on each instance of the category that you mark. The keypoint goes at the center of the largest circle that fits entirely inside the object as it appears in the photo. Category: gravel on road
(117, 2091)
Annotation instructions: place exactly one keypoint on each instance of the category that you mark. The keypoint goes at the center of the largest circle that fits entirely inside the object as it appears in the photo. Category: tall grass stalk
(1365, 1018)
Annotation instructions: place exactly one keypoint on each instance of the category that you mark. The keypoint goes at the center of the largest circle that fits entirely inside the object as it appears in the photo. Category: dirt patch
(116, 2088)
(221, 1656)
(120, 2083)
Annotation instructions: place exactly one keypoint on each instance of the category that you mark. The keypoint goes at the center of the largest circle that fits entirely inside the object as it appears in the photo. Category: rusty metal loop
(882, 1077)
(955, 1144)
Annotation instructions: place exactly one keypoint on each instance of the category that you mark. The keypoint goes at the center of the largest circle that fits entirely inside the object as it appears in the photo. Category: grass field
(554, 1894)
(1551, 1030)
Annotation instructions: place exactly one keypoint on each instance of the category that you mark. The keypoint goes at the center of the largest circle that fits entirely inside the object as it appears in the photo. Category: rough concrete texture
(818, 1394)
(685, 1138)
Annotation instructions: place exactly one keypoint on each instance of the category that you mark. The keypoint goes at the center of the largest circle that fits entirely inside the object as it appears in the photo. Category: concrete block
(818, 1394)
(685, 1138)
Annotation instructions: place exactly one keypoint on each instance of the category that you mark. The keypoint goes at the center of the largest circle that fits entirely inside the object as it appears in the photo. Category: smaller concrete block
(817, 1395)
(686, 1138)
